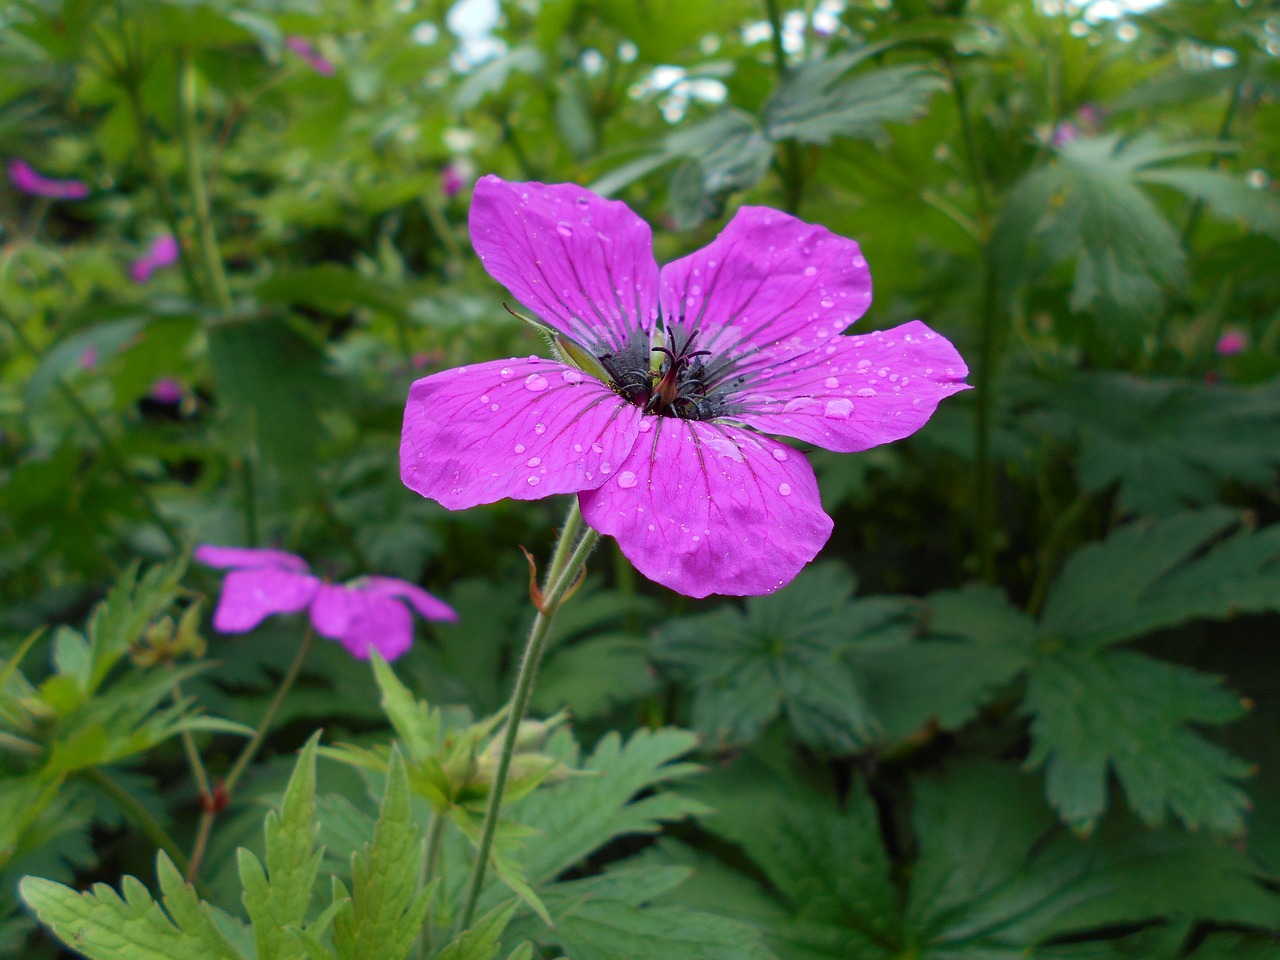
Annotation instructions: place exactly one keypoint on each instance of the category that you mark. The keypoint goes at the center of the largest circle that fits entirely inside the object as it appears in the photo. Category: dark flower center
(679, 387)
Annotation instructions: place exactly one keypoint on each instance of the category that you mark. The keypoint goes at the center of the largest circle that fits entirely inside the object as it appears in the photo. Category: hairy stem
(560, 577)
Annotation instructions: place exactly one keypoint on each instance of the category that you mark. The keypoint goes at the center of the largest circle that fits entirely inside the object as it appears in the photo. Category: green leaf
(103, 925)
(386, 908)
(1146, 576)
(1122, 711)
(612, 930)
(333, 289)
(781, 656)
(415, 723)
(817, 102)
(120, 619)
(483, 939)
(593, 677)
(1226, 196)
(1165, 444)
(279, 896)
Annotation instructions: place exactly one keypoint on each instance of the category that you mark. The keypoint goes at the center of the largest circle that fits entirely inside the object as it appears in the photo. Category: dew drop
(535, 382)
(866, 392)
(595, 447)
(779, 454)
(810, 271)
(539, 428)
(828, 302)
(831, 383)
(571, 376)
(493, 407)
(799, 403)
(645, 425)
(582, 202)
(534, 481)
(519, 448)
(605, 467)
(484, 398)
(784, 489)
(533, 461)
(627, 479)
(839, 409)
(564, 229)
(506, 371)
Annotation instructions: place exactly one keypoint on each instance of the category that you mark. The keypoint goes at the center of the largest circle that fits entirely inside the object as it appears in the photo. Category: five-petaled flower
(657, 420)
(365, 614)
(29, 180)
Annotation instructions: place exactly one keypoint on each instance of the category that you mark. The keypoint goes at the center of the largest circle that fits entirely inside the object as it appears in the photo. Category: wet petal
(248, 558)
(856, 392)
(362, 621)
(524, 429)
(250, 596)
(581, 263)
(706, 508)
(767, 278)
(427, 605)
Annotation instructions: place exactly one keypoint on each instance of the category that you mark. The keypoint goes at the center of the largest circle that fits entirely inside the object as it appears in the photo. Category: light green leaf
(415, 723)
(483, 939)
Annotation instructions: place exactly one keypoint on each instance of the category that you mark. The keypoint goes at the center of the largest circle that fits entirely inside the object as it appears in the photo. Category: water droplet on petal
(493, 407)
(571, 376)
(533, 461)
(539, 428)
(506, 371)
(799, 403)
(484, 398)
(596, 448)
(784, 489)
(534, 481)
(646, 425)
(866, 392)
(582, 202)
(564, 228)
(627, 479)
(779, 454)
(605, 467)
(519, 448)
(839, 409)
(535, 382)
(831, 383)
(810, 271)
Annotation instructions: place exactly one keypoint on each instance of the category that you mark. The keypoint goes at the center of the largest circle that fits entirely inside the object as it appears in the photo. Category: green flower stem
(208, 240)
(142, 818)
(423, 944)
(792, 169)
(129, 75)
(560, 578)
(215, 802)
(193, 755)
(113, 452)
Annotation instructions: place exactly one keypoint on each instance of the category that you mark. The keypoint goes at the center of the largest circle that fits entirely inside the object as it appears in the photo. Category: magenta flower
(452, 181)
(163, 252)
(668, 457)
(303, 48)
(28, 180)
(88, 358)
(1232, 342)
(167, 390)
(365, 614)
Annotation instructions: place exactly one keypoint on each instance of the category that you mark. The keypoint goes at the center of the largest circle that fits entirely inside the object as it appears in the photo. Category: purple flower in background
(452, 181)
(668, 457)
(366, 614)
(303, 48)
(167, 390)
(1232, 342)
(28, 180)
(163, 252)
(88, 358)
(1065, 132)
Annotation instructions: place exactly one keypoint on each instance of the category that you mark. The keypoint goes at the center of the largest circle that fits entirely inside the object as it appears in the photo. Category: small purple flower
(452, 182)
(163, 252)
(167, 390)
(365, 614)
(1232, 342)
(28, 180)
(88, 358)
(668, 457)
(1064, 133)
(303, 48)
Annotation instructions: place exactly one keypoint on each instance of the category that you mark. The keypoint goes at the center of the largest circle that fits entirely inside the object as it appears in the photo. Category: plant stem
(249, 492)
(208, 241)
(970, 141)
(223, 793)
(193, 755)
(19, 745)
(142, 818)
(426, 873)
(560, 578)
(792, 169)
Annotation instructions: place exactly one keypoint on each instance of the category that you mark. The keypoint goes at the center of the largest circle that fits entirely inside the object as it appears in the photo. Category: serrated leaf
(1165, 444)
(278, 897)
(817, 102)
(1226, 196)
(386, 908)
(130, 606)
(592, 677)
(781, 656)
(1151, 575)
(417, 726)
(1094, 711)
(483, 939)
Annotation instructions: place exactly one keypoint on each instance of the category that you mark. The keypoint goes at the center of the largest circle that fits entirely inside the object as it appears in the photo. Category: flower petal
(250, 596)
(363, 621)
(524, 429)
(582, 263)
(427, 605)
(856, 392)
(704, 508)
(766, 278)
(249, 558)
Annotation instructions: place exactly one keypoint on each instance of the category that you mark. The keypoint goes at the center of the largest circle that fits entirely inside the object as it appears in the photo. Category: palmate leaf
(779, 656)
(1165, 444)
(817, 101)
